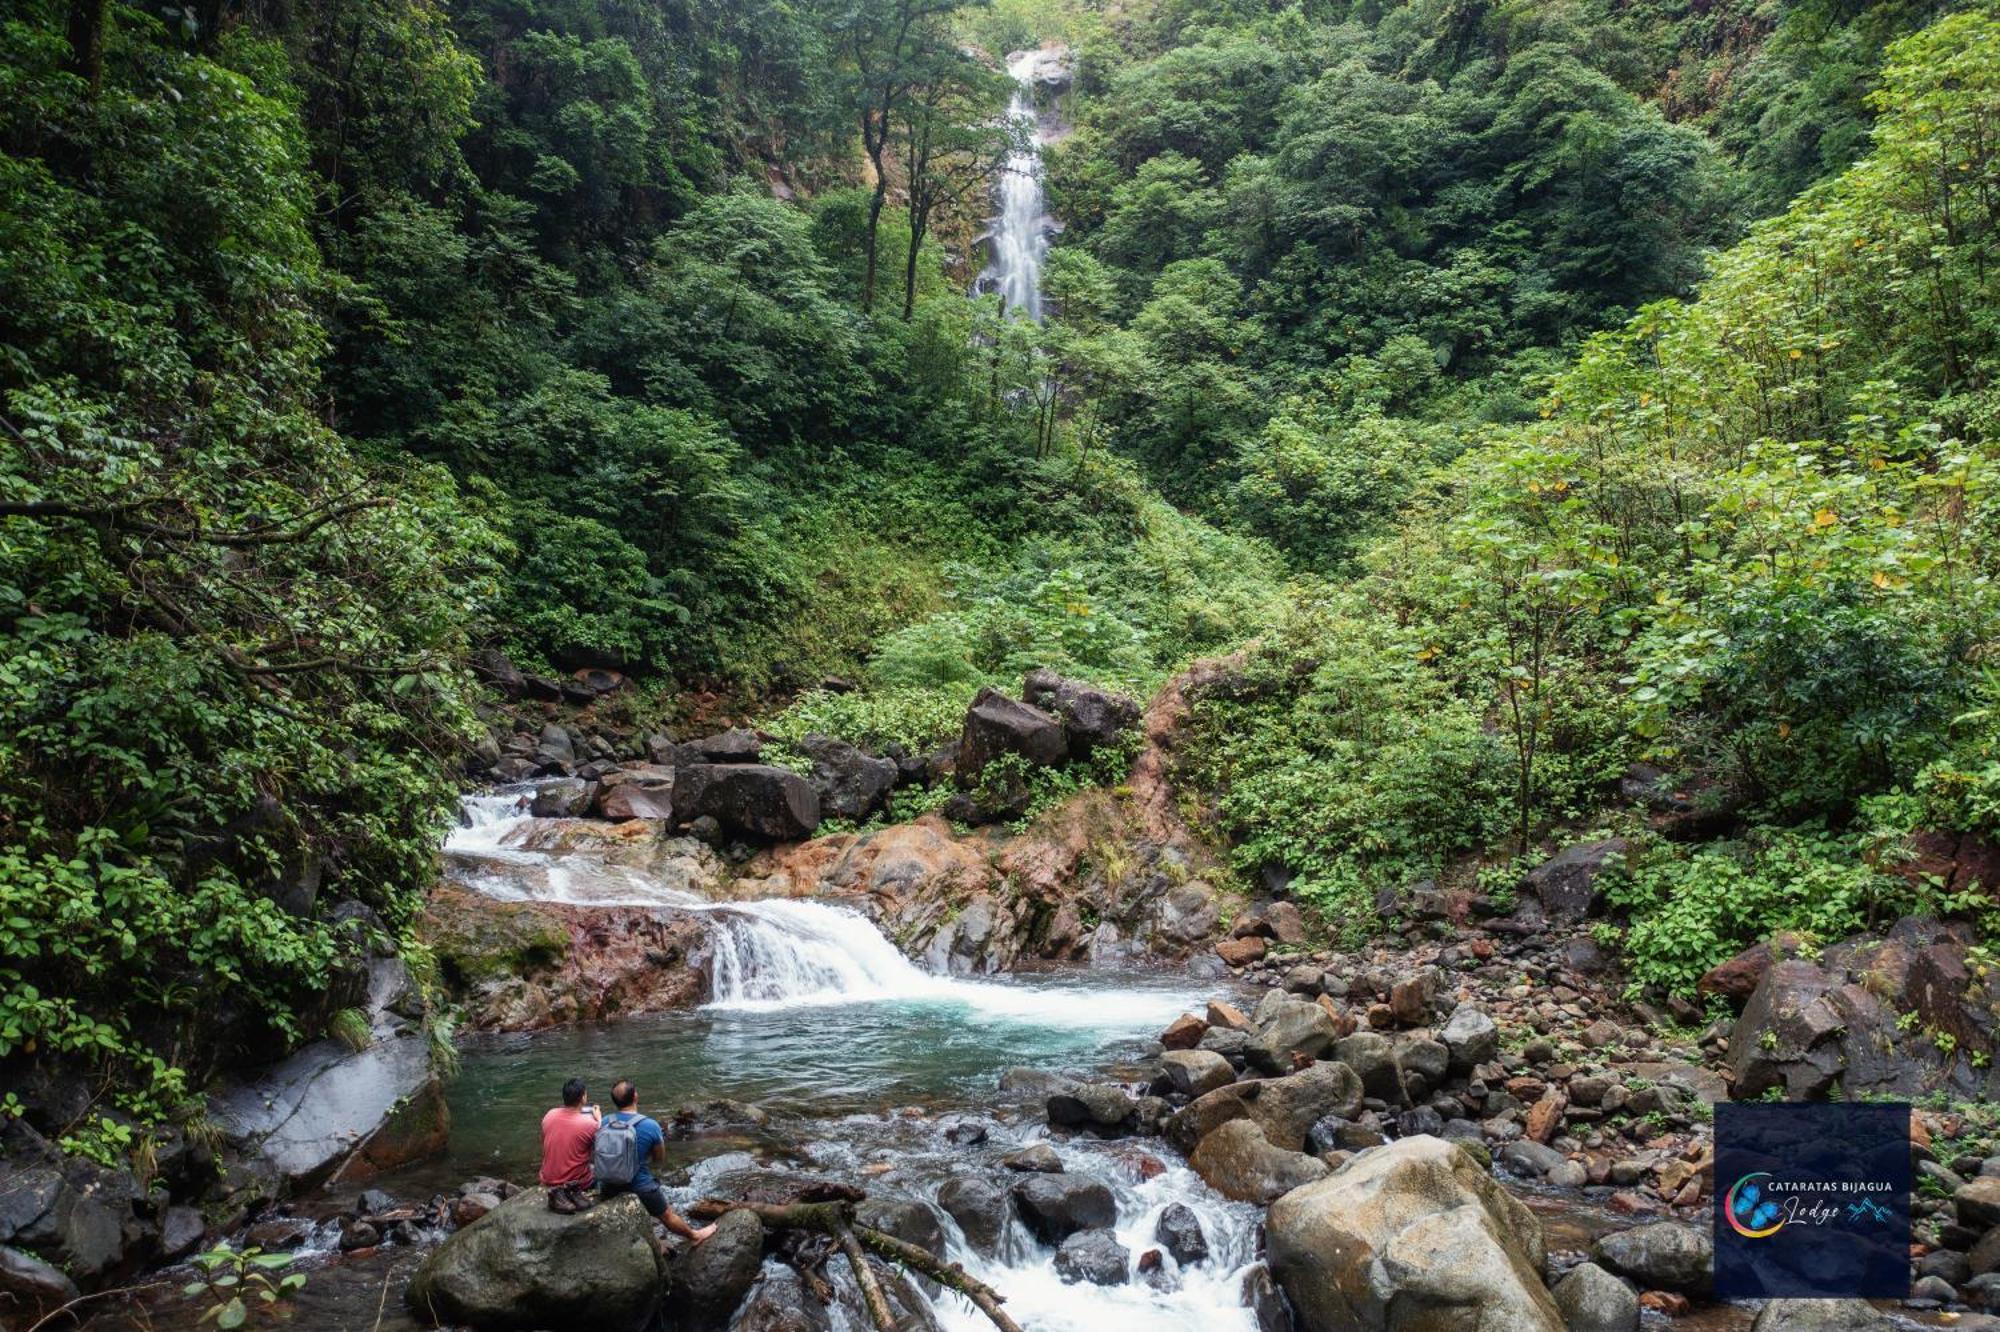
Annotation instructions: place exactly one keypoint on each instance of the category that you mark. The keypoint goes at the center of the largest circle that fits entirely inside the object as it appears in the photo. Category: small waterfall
(1020, 230)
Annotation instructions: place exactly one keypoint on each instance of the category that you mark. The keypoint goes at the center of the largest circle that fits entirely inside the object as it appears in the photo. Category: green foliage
(1693, 909)
(236, 1282)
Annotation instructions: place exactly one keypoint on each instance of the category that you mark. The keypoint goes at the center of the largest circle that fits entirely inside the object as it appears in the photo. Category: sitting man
(567, 1134)
(628, 1145)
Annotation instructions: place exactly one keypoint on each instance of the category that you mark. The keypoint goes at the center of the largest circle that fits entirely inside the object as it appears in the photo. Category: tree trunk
(86, 42)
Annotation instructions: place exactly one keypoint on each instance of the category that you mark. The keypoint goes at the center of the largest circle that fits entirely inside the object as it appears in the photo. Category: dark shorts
(652, 1198)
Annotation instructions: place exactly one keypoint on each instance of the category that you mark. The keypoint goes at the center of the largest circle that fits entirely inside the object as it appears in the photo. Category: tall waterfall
(1020, 230)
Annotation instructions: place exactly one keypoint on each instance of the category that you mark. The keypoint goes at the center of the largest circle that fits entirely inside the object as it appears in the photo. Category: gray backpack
(614, 1155)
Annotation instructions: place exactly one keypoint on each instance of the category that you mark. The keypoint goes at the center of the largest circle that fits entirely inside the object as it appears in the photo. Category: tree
(952, 145)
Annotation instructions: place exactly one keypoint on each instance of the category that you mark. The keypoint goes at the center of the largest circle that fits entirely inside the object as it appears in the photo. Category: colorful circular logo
(1751, 1214)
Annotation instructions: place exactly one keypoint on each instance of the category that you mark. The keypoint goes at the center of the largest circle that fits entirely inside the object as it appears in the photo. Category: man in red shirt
(567, 1134)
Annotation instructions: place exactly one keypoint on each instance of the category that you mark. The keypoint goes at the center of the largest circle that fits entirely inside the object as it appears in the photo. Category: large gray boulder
(1094, 1256)
(996, 725)
(522, 1267)
(980, 1207)
(708, 1280)
(321, 1106)
(1284, 1108)
(1294, 1030)
(1592, 1300)
(1566, 883)
(1414, 1235)
(851, 784)
(1057, 1206)
(1196, 1072)
(1471, 1036)
(750, 799)
(1665, 1255)
(1238, 1162)
(1090, 716)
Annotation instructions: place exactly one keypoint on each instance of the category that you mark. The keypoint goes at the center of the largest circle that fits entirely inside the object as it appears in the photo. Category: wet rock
(1529, 1159)
(1196, 1072)
(1090, 716)
(1566, 884)
(182, 1230)
(1662, 1256)
(708, 1280)
(566, 798)
(1472, 1037)
(1269, 1311)
(851, 784)
(321, 1107)
(1185, 1033)
(780, 1303)
(1057, 1206)
(1820, 1316)
(980, 1207)
(1099, 1105)
(907, 1219)
(31, 1288)
(522, 1267)
(642, 791)
(553, 751)
(285, 1232)
(1094, 1256)
(750, 799)
(359, 1235)
(1179, 1232)
(1237, 1161)
(1593, 1300)
(1036, 1158)
(963, 1130)
(1414, 1234)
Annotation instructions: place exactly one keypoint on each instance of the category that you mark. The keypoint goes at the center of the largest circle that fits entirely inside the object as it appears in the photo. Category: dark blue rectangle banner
(1812, 1201)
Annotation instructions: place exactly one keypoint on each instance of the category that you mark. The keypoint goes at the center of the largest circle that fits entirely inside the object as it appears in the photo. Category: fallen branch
(949, 1275)
(864, 1277)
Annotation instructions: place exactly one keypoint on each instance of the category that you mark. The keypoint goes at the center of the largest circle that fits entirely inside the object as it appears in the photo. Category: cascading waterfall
(809, 982)
(1020, 230)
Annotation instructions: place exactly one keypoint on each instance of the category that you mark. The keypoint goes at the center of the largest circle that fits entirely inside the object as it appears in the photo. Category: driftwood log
(834, 1218)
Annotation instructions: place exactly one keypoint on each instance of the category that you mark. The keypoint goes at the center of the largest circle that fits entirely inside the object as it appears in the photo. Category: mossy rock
(478, 940)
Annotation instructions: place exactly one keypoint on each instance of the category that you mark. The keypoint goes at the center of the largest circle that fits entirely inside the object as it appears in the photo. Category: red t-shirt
(566, 1138)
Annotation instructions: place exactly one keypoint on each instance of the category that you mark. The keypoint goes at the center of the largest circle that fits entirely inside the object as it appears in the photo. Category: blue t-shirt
(647, 1134)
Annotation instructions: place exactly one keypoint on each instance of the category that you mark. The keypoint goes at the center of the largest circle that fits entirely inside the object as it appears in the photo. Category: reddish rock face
(519, 966)
(1241, 952)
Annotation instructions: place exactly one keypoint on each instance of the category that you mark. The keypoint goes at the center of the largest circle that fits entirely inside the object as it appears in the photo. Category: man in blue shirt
(652, 1144)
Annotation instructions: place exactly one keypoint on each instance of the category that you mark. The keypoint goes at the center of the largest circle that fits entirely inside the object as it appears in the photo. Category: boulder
(739, 745)
(1820, 1316)
(1297, 1029)
(564, 798)
(1287, 1108)
(31, 1288)
(1241, 952)
(326, 1105)
(1094, 1256)
(1057, 1206)
(1592, 1300)
(1472, 1037)
(1178, 1231)
(1566, 884)
(642, 791)
(981, 1209)
(1196, 1072)
(996, 725)
(523, 1267)
(1788, 1034)
(1411, 1235)
(1091, 1105)
(1260, 1295)
(1090, 716)
(750, 799)
(708, 1280)
(1237, 1161)
(908, 1219)
(1373, 1058)
(1665, 1255)
(851, 784)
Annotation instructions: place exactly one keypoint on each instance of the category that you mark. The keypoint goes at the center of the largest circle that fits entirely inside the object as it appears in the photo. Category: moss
(493, 940)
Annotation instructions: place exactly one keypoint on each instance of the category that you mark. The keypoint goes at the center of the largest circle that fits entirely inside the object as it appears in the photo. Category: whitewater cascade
(785, 970)
(1020, 230)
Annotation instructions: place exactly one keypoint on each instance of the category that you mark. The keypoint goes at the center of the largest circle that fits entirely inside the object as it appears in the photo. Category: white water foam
(775, 953)
(1020, 230)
